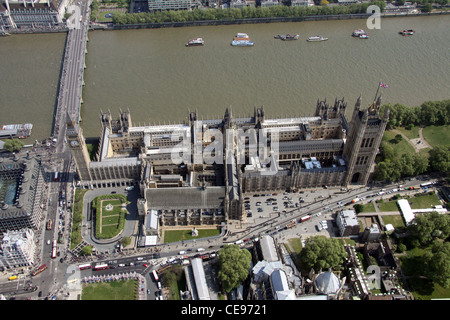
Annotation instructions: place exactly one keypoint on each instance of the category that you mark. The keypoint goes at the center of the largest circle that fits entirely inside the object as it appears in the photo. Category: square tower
(75, 139)
(366, 130)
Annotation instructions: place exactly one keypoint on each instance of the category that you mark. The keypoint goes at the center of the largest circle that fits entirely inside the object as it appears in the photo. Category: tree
(321, 253)
(429, 226)
(440, 159)
(437, 263)
(427, 7)
(234, 266)
(13, 145)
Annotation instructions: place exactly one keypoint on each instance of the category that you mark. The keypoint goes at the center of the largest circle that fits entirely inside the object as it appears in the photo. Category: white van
(200, 249)
(182, 252)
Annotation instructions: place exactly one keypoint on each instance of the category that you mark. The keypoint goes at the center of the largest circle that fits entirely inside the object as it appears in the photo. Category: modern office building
(17, 249)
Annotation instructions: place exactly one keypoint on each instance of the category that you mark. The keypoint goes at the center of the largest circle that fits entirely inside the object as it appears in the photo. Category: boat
(290, 37)
(358, 32)
(16, 130)
(409, 32)
(316, 38)
(279, 36)
(242, 35)
(242, 43)
(364, 36)
(195, 42)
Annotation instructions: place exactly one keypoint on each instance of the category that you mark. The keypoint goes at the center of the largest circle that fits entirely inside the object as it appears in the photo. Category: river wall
(111, 26)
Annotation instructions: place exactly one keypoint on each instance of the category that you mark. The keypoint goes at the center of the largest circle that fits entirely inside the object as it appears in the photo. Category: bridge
(71, 82)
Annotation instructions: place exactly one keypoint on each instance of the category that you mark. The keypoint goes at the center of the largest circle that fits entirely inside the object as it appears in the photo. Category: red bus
(56, 176)
(155, 275)
(101, 266)
(303, 219)
(49, 224)
(84, 266)
(39, 270)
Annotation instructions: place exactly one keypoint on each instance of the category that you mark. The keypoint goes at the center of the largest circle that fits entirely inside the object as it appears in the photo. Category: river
(151, 72)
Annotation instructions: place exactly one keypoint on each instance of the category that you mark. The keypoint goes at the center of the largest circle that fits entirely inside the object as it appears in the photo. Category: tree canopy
(322, 253)
(13, 145)
(429, 226)
(234, 266)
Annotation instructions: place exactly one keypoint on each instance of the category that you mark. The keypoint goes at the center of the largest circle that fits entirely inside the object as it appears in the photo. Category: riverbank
(112, 26)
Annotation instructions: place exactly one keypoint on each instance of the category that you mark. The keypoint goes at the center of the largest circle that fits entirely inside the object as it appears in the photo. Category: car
(148, 291)
(318, 214)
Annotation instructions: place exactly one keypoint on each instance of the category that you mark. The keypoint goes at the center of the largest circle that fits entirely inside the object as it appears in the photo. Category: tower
(75, 139)
(366, 130)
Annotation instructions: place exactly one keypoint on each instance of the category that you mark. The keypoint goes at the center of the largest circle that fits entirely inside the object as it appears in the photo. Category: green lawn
(395, 220)
(369, 207)
(388, 206)
(399, 148)
(178, 235)
(421, 287)
(424, 201)
(437, 135)
(411, 134)
(115, 290)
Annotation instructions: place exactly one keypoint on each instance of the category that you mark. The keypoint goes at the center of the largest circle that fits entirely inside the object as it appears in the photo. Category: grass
(395, 220)
(368, 207)
(401, 147)
(388, 206)
(424, 201)
(75, 236)
(421, 287)
(437, 135)
(410, 134)
(179, 235)
(115, 290)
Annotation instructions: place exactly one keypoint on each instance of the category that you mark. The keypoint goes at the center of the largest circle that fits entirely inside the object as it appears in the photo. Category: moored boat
(242, 43)
(358, 32)
(364, 36)
(409, 32)
(316, 38)
(195, 42)
(290, 37)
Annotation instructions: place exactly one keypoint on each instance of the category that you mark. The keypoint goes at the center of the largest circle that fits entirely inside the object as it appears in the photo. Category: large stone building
(21, 184)
(31, 13)
(198, 172)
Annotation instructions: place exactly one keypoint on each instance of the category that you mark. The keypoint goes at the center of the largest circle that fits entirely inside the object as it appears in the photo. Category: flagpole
(376, 94)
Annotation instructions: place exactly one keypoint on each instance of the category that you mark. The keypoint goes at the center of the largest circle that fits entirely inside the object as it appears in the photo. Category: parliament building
(198, 172)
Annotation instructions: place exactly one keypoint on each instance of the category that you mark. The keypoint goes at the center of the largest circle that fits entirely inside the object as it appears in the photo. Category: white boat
(242, 43)
(358, 32)
(195, 42)
(242, 35)
(364, 36)
(316, 38)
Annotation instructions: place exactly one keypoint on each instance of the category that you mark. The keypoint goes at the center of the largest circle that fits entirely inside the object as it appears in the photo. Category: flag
(384, 85)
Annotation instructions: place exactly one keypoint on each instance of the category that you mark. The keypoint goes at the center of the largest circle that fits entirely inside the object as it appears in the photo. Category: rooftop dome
(327, 283)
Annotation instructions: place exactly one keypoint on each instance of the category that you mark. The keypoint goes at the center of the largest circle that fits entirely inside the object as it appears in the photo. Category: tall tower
(75, 139)
(366, 130)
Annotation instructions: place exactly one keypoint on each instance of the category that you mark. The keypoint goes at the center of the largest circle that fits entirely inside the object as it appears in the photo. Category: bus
(54, 249)
(49, 224)
(303, 219)
(56, 178)
(84, 266)
(427, 184)
(101, 266)
(13, 278)
(39, 270)
(155, 275)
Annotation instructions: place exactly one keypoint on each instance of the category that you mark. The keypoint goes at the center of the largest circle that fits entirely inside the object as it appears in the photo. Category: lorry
(355, 200)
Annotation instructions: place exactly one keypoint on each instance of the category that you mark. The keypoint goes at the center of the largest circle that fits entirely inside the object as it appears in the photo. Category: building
(21, 184)
(17, 249)
(347, 223)
(32, 13)
(406, 211)
(158, 5)
(198, 172)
